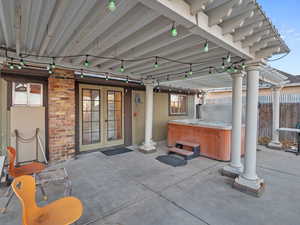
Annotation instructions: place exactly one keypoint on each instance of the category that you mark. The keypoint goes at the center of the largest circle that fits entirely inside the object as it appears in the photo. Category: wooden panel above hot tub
(214, 143)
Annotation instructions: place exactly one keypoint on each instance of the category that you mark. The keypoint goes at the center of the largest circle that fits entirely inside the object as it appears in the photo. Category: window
(177, 104)
(90, 116)
(27, 94)
(114, 115)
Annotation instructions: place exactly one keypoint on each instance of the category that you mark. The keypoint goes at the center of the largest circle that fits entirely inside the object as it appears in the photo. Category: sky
(285, 15)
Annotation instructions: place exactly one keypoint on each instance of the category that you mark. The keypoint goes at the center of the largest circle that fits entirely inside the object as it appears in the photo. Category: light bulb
(191, 71)
(174, 30)
(205, 49)
(22, 62)
(228, 58)
(112, 5)
(156, 63)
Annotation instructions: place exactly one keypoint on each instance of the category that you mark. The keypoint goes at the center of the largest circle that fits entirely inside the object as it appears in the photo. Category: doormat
(116, 151)
(172, 160)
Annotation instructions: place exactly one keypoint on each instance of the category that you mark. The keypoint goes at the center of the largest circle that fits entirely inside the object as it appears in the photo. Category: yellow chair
(64, 211)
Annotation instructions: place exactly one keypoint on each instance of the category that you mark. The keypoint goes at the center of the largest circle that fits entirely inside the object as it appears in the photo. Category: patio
(134, 188)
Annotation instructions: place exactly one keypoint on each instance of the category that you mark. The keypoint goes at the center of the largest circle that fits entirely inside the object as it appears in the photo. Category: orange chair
(14, 172)
(64, 211)
(27, 169)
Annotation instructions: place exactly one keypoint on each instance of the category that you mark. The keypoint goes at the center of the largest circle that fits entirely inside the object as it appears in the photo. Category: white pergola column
(148, 145)
(235, 167)
(275, 143)
(249, 180)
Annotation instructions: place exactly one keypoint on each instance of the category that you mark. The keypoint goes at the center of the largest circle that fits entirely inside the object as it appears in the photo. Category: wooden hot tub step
(187, 154)
(187, 143)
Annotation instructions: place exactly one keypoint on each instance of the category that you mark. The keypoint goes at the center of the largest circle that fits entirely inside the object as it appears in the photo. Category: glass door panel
(90, 116)
(114, 115)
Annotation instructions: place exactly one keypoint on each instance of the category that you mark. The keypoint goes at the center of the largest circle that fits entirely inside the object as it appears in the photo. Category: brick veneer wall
(61, 113)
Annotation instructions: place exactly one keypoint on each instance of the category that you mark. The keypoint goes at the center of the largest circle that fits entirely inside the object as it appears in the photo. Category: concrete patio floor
(136, 189)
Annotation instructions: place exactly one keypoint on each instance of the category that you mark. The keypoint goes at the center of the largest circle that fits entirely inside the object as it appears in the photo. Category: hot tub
(214, 137)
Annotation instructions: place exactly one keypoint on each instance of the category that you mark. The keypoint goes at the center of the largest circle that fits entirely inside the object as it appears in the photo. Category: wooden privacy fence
(289, 115)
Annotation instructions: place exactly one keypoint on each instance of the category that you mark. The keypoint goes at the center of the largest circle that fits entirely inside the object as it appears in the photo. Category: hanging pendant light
(205, 48)
(174, 32)
(122, 68)
(112, 5)
(191, 70)
(11, 65)
(86, 62)
(53, 63)
(156, 62)
(223, 64)
(228, 59)
(22, 62)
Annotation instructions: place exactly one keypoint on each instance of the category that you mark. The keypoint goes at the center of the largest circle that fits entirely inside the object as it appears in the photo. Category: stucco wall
(4, 117)
(160, 115)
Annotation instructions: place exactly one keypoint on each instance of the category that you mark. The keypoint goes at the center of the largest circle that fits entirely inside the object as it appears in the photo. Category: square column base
(252, 187)
(275, 145)
(147, 148)
(231, 172)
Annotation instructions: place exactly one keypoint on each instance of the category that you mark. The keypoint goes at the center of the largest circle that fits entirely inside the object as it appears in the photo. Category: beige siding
(161, 116)
(4, 117)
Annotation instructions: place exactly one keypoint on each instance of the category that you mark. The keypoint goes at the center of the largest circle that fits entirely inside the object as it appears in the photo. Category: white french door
(101, 116)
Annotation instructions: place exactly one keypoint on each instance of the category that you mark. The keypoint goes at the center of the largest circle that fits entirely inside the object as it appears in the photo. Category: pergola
(213, 43)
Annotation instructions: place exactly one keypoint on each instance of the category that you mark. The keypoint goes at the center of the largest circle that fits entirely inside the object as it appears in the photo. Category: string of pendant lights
(86, 63)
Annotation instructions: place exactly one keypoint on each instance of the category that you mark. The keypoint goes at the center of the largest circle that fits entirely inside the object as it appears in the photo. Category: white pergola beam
(57, 17)
(176, 54)
(18, 27)
(199, 5)
(179, 11)
(231, 24)
(4, 24)
(155, 45)
(75, 14)
(180, 69)
(167, 49)
(141, 37)
(267, 52)
(217, 15)
(256, 37)
(35, 19)
(262, 44)
(136, 22)
(148, 68)
(123, 8)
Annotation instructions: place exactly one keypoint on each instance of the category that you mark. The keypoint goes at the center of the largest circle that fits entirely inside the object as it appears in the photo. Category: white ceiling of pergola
(140, 28)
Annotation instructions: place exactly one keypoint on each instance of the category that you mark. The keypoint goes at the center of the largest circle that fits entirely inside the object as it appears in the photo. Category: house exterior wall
(4, 117)
(160, 116)
(61, 115)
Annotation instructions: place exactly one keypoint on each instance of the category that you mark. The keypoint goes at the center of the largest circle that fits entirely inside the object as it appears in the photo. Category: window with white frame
(178, 104)
(27, 94)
